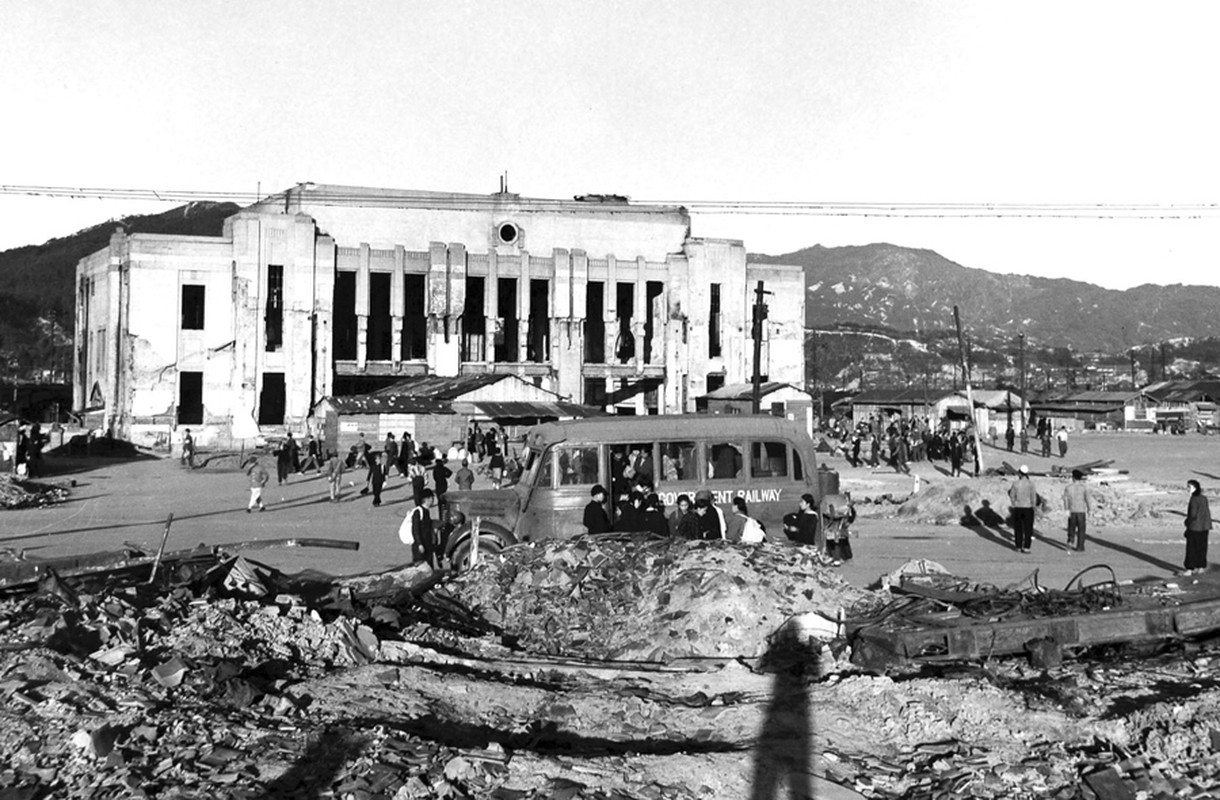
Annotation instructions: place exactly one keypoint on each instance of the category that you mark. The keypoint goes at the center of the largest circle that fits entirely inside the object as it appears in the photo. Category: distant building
(775, 398)
(330, 290)
(1099, 409)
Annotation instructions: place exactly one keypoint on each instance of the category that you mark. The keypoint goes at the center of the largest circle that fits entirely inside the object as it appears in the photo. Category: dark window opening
(192, 307)
(344, 332)
(538, 341)
(595, 392)
(190, 398)
(414, 321)
(715, 380)
(777, 409)
(474, 323)
(380, 341)
(509, 329)
(654, 314)
(769, 460)
(508, 233)
(274, 317)
(271, 400)
(624, 307)
(713, 328)
(595, 323)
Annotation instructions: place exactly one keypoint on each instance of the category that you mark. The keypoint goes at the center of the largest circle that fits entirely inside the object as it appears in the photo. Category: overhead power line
(386, 199)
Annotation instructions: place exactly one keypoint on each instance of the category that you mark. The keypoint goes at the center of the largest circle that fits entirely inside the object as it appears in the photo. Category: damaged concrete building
(332, 290)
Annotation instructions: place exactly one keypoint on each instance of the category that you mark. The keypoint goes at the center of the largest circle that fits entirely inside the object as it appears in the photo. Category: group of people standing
(698, 519)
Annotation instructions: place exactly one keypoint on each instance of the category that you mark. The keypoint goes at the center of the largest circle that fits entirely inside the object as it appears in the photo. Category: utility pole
(1021, 359)
(760, 314)
(1164, 364)
(961, 346)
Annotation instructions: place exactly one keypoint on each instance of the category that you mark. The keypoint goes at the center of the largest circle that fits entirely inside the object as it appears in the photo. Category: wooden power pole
(965, 356)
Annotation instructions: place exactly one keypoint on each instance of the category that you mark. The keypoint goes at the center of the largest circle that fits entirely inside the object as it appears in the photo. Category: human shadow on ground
(321, 762)
(783, 752)
(1092, 538)
(985, 523)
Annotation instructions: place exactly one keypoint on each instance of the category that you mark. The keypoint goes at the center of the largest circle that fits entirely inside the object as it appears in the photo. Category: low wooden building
(439, 410)
(775, 398)
(1128, 410)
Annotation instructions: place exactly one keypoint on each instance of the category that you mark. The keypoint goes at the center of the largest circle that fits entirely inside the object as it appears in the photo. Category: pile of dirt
(985, 501)
(651, 599)
(17, 493)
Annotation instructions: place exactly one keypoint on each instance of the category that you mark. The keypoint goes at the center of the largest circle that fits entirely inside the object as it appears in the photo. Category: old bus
(767, 460)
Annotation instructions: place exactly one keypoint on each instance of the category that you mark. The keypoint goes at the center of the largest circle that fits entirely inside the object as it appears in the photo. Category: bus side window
(546, 471)
(578, 465)
(798, 471)
(723, 461)
(678, 461)
(769, 459)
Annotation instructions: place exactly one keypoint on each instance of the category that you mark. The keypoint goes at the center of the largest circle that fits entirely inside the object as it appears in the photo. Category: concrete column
(362, 307)
(523, 306)
(323, 305)
(609, 316)
(491, 305)
(396, 305)
(639, 311)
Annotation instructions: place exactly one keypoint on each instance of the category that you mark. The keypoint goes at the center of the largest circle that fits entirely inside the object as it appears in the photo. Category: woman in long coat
(1198, 523)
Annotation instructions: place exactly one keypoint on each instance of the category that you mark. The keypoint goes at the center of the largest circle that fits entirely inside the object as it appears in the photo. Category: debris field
(591, 668)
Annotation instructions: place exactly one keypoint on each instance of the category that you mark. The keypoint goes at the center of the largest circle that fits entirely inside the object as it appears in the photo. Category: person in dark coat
(631, 513)
(654, 516)
(378, 467)
(283, 463)
(596, 520)
(423, 542)
(1198, 524)
(440, 478)
(681, 511)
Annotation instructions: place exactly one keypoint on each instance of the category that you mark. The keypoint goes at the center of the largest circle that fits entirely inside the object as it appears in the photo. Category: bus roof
(667, 427)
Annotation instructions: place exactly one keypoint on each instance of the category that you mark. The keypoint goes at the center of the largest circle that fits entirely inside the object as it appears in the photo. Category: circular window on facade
(508, 232)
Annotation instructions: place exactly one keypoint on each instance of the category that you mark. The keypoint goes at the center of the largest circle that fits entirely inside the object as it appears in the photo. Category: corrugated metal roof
(745, 391)
(440, 388)
(392, 404)
(521, 409)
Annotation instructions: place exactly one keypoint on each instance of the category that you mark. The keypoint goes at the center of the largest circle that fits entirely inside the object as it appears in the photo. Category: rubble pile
(17, 493)
(648, 598)
(228, 680)
(985, 501)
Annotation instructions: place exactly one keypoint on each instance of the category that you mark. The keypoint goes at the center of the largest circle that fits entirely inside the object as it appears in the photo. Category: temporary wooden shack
(777, 399)
(439, 410)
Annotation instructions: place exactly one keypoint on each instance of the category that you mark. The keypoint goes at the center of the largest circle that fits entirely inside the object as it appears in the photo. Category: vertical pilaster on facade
(436, 300)
(491, 305)
(324, 263)
(567, 340)
(640, 305)
(523, 306)
(457, 286)
(609, 312)
(397, 305)
(362, 306)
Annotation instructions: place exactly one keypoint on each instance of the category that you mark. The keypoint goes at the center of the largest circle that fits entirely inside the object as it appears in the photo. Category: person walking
(188, 449)
(334, 475)
(1045, 436)
(423, 541)
(313, 455)
(596, 520)
(464, 477)
(294, 454)
(378, 469)
(1078, 501)
(258, 478)
(1024, 496)
(1024, 439)
(1198, 524)
(440, 478)
(1062, 438)
(1010, 437)
(283, 461)
(956, 452)
(390, 448)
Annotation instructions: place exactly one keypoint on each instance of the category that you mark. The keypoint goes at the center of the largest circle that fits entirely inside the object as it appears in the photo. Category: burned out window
(769, 460)
(713, 320)
(192, 307)
(272, 399)
(798, 471)
(724, 461)
(414, 321)
(380, 333)
(538, 336)
(678, 461)
(273, 316)
(190, 398)
(578, 465)
(509, 327)
(344, 324)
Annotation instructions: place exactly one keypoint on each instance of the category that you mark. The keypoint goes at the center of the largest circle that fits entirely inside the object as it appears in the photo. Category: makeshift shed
(1098, 409)
(884, 405)
(438, 410)
(775, 398)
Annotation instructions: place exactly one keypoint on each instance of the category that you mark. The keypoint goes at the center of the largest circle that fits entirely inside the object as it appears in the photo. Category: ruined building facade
(331, 290)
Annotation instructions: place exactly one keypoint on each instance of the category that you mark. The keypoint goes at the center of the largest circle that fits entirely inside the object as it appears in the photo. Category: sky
(888, 102)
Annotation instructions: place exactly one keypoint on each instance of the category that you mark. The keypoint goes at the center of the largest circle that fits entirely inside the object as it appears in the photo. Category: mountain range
(898, 291)
(914, 291)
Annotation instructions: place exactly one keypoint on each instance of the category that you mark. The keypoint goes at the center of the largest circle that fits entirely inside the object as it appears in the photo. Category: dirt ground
(118, 502)
(1001, 729)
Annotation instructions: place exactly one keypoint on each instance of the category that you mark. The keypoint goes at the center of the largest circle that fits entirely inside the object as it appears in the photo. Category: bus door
(566, 475)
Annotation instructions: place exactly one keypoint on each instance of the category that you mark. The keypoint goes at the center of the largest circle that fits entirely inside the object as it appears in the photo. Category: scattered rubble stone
(984, 501)
(649, 598)
(20, 493)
